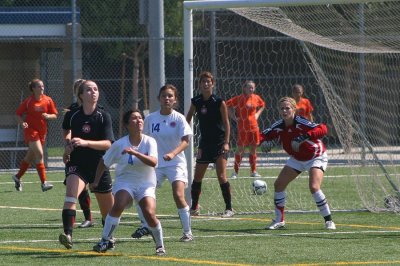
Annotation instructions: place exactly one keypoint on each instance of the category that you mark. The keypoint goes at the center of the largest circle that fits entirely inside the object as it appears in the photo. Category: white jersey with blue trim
(129, 169)
(168, 131)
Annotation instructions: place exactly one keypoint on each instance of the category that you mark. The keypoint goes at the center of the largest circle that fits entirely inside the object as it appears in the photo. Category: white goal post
(346, 38)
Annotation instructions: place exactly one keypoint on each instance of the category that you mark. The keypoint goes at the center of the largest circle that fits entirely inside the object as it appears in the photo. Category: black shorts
(87, 174)
(209, 153)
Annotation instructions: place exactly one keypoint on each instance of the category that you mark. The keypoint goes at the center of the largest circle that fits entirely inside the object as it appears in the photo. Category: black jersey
(210, 120)
(96, 126)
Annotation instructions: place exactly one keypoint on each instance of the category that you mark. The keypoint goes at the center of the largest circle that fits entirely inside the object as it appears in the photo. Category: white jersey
(168, 131)
(130, 169)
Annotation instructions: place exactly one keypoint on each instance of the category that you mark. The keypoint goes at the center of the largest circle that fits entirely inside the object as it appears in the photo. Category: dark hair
(127, 115)
(33, 83)
(173, 88)
(298, 86)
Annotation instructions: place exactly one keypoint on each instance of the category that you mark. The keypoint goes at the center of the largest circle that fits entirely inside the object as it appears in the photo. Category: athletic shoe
(141, 232)
(275, 225)
(102, 246)
(186, 238)
(255, 174)
(18, 183)
(160, 251)
(86, 224)
(227, 214)
(111, 243)
(234, 175)
(66, 240)
(195, 212)
(46, 186)
(330, 225)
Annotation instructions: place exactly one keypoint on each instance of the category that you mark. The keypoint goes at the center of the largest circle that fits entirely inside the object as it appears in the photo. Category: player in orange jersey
(248, 107)
(37, 109)
(303, 105)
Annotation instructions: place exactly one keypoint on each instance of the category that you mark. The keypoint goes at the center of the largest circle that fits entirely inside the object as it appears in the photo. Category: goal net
(347, 56)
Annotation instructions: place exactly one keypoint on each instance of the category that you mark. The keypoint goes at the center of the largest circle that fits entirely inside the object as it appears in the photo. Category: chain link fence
(111, 48)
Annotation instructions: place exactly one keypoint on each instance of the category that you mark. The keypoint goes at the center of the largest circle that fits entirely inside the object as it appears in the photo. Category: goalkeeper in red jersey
(247, 106)
(32, 114)
(301, 139)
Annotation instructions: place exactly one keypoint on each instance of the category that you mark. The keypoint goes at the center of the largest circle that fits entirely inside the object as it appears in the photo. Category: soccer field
(30, 223)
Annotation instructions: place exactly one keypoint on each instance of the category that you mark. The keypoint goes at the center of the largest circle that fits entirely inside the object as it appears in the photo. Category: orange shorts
(248, 138)
(31, 134)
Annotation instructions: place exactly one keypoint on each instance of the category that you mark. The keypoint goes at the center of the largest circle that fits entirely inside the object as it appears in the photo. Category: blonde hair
(288, 99)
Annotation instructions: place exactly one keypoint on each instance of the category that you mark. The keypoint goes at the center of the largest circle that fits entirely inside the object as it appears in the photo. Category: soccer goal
(347, 56)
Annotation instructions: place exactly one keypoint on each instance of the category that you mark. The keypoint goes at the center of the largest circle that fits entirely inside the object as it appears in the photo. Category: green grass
(30, 223)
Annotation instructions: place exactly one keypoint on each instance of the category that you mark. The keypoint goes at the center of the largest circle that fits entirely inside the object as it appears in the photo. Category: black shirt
(96, 126)
(210, 120)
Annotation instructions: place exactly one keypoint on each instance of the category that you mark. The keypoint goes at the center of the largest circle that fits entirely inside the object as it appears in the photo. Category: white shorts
(137, 192)
(318, 162)
(172, 173)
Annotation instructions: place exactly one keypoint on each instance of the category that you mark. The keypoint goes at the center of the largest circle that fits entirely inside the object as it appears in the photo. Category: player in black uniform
(84, 197)
(213, 147)
(88, 134)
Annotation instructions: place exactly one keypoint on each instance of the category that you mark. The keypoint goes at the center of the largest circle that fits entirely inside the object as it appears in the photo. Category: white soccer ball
(259, 187)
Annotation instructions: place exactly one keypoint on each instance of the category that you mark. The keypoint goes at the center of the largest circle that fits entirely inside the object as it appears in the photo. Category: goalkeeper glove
(298, 141)
(267, 146)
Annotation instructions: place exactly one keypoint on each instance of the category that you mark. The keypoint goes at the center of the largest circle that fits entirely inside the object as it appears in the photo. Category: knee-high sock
(157, 235)
(184, 216)
(68, 218)
(110, 225)
(322, 203)
(41, 171)
(253, 162)
(280, 200)
(196, 191)
(238, 161)
(22, 168)
(226, 193)
(84, 202)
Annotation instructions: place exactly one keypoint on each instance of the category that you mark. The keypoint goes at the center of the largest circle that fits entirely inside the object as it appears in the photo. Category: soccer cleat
(66, 240)
(330, 225)
(186, 238)
(234, 175)
(255, 174)
(102, 246)
(111, 243)
(18, 183)
(160, 251)
(86, 224)
(195, 212)
(227, 214)
(141, 232)
(275, 225)
(46, 186)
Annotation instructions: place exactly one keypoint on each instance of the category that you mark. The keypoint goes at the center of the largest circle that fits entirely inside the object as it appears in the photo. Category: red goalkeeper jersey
(309, 149)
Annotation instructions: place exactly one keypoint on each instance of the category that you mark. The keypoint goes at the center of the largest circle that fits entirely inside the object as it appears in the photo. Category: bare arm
(182, 146)
(146, 159)
(224, 114)
(190, 114)
(100, 145)
(21, 121)
(259, 111)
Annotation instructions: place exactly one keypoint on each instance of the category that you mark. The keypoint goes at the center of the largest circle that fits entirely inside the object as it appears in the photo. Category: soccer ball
(392, 202)
(259, 187)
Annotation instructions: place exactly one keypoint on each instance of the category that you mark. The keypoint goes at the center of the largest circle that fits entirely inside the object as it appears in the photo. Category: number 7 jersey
(168, 131)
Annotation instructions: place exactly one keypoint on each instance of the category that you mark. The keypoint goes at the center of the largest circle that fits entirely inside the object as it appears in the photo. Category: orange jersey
(246, 107)
(34, 109)
(304, 108)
